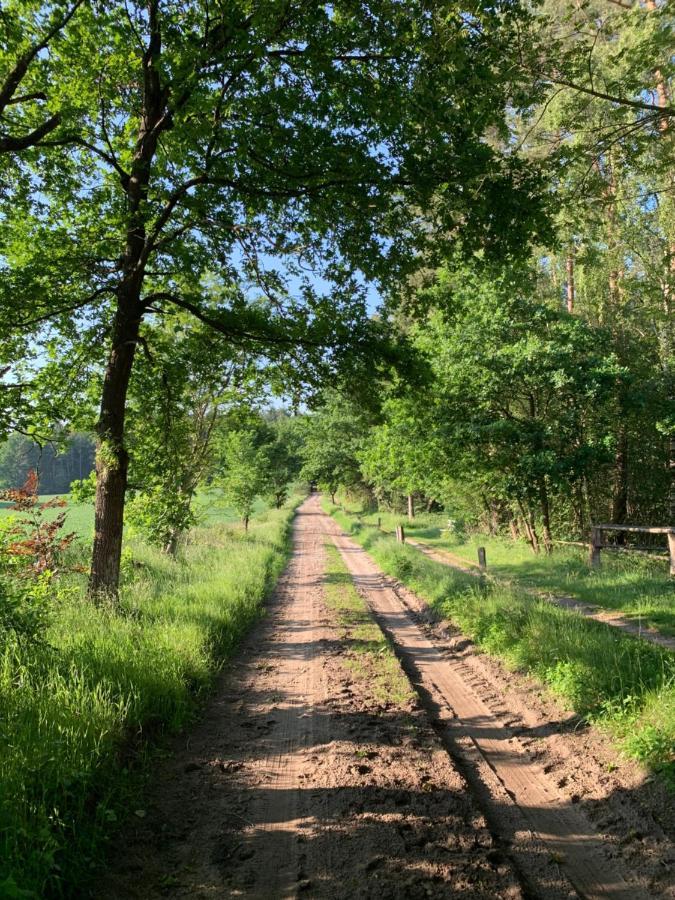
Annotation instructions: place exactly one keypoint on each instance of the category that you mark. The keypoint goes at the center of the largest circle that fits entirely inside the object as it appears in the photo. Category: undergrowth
(79, 709)
(619, 683)
(637, 586)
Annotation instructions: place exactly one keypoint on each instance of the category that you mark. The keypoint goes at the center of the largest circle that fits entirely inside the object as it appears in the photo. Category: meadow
(623, 685)
(637, 586)
(84, 708)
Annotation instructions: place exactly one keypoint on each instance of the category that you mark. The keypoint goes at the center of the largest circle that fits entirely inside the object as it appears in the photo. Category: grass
(637, 586)
(80, 711)
(80, 516)
(370, 655)
(621, 684)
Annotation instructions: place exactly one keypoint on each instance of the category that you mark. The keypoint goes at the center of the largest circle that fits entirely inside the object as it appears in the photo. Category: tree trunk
(620, 495)
(513, 528)
(112, 460)
(411, 508)
(569, 289)
(246, 523)
(530, 530)
(545, 514)
(171, 546)
(579, 504)
(332, 497)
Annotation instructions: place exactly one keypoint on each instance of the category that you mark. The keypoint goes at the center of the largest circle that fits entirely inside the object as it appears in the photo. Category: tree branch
(661, 111)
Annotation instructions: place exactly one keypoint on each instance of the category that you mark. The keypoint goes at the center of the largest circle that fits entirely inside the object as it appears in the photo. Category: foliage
(31, 554)
(284, 441)
(218, 161)
(35, 539)
(244, 473)
(333, 439)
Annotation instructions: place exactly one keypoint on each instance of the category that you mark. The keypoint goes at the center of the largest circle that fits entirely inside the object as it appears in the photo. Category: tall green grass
(76, 712)
(620, 683)
(637, 586)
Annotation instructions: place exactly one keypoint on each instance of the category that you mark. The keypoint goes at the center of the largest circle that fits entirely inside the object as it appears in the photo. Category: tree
(245, 472)
(607, 128)
(180, 397)
(399, 454)
(211, 137)
(524, 393)
(283, 448)
(333, 441)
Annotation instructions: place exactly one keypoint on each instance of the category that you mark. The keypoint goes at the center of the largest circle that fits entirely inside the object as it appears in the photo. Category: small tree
(245, 474)
(333, 439)
(31, 548)
(283, 450)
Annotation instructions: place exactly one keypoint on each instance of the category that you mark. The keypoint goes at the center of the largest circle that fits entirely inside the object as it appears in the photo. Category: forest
(317, 318)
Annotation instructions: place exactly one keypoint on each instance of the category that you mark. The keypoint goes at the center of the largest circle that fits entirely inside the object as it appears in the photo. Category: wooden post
(671, 550)
(400, 534)
(482, 562)
(595, 547)
(379, 522)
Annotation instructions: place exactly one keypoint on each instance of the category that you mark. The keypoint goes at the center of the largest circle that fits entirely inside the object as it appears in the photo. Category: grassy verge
(621, 684)
(637, 586)
(370, 654)
(76, 713)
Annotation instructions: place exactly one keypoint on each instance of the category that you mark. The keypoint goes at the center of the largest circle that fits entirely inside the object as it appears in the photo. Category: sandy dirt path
(530, 794)
(300, 782)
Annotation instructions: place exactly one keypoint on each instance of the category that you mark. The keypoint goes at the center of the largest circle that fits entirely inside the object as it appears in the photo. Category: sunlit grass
(625, 685)
(637, 586)
(76, 712)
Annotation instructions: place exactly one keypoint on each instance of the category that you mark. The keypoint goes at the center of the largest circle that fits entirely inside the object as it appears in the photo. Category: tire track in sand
(300, 782)
(523, 805)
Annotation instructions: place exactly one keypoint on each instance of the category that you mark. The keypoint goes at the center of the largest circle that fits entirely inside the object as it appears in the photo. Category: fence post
(482, 562)
(400, 534)
(595, 547)
(379, 522)
(671, 550)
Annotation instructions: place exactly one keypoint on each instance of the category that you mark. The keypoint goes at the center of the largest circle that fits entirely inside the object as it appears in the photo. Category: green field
(81, 709)
(80, 516)
(635, 585)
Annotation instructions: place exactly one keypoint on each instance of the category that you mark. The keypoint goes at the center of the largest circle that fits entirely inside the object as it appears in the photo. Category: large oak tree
(209, 141)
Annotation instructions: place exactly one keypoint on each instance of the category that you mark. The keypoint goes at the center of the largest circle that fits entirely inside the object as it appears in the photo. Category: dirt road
(302, 781)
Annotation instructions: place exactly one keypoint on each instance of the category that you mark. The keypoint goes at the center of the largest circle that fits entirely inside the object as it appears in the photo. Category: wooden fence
(598, 544)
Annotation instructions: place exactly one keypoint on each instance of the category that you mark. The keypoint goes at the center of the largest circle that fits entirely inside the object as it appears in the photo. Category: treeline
(57, 463)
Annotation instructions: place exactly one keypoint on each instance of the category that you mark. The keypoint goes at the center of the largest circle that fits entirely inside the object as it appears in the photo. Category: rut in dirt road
(302, 781)
(525, 805)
